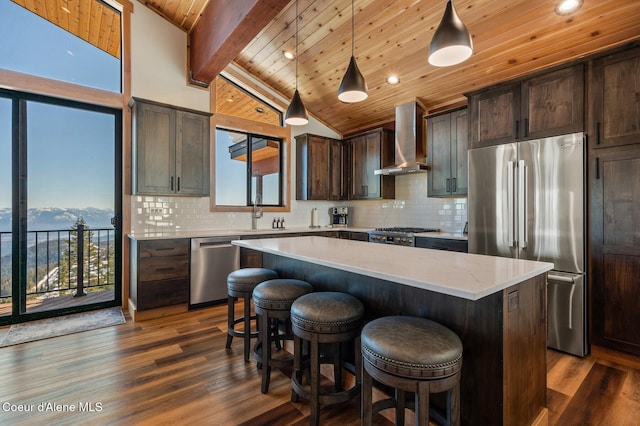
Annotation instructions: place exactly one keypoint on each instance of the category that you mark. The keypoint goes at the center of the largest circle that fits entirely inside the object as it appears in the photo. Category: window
(248, 169)
(63, 43)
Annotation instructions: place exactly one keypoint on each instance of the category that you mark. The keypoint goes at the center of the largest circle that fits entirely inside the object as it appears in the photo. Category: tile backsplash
(160, 214)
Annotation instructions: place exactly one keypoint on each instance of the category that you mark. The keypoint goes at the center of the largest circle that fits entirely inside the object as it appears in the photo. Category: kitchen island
(496, 305)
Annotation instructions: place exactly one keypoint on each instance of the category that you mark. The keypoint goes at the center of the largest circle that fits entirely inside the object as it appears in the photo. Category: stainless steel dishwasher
(212, 259)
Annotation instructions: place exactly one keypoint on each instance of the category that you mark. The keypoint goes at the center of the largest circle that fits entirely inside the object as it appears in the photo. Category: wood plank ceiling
(511, 39)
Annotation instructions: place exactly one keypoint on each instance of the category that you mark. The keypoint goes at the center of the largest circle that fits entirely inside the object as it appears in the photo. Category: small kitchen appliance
(399, 236)
(340, 217)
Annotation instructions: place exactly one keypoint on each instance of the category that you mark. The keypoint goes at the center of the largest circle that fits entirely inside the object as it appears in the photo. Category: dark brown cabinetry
(368, 152)
(614, 212)
(170, 150)
(544, 105)
(447, 244)
(615, 249)
(320, 168)
(448, 139)
(614, 93)
(159, 273)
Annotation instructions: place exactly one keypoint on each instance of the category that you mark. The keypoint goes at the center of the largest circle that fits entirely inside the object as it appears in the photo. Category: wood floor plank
(176, 370)
(592, 403)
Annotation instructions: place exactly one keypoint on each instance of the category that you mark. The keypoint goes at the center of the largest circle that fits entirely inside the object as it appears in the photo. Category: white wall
(158, 62)
(158, 73)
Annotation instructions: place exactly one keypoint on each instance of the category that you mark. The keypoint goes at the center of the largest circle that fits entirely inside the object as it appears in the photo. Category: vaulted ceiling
(511, 38)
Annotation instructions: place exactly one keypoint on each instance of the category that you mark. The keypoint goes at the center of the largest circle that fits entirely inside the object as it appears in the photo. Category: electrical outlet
(514, 300)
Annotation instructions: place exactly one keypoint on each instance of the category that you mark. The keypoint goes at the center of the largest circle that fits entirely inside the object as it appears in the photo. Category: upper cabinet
(170, 150)
(448, 139)
(614, 92)
(371, 151)
(541, 106)
(320, 168)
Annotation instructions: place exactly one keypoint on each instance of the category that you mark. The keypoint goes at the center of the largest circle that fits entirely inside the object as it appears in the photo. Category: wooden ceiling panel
(511, 39)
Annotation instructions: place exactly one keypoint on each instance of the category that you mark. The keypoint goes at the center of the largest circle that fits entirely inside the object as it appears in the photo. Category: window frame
(242, 125)
(249, 175)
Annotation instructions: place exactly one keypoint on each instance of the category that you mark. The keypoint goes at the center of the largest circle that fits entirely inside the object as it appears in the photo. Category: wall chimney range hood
(410, 144)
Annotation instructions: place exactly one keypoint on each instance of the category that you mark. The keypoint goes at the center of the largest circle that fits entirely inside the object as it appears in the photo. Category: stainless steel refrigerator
(526, 200)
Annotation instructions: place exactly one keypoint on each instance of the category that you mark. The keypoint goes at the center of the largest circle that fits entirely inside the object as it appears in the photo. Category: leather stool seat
(415, 355)
(272, 301)
(240, 285)
(325, 318)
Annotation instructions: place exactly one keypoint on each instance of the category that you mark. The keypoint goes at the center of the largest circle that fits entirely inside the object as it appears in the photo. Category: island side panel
(525, 348)
(478, 323)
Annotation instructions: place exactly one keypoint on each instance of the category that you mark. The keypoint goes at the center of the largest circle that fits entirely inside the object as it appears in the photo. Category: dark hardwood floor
(176, 370)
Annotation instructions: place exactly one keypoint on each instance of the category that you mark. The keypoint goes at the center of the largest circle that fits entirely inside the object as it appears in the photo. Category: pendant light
(451, 43)
(296, 114)
(353, 88)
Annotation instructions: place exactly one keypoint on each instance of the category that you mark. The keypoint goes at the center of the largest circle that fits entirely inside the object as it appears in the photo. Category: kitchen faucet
(257, 212)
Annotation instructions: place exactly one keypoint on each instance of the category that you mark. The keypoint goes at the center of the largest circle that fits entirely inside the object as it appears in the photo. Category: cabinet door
(459, 148)
(553, 103)
(615, 249)
(337, 170)
(439, 158)
(614, 93)
(494, 116)
(318, 168)
(358, 149)
(154, 149)
(192, 154)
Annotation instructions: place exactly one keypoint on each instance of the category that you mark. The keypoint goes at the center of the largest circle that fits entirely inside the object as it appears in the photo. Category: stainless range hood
(410, 145)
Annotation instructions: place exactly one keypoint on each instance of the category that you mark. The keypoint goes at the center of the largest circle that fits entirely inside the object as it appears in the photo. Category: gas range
(402, 236)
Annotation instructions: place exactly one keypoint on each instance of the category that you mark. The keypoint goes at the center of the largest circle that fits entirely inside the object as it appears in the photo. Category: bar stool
(411, 355)
(272, 302)
(325, 318)
(240, 285)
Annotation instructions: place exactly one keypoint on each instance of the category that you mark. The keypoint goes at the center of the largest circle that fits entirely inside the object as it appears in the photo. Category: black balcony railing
(62, 262)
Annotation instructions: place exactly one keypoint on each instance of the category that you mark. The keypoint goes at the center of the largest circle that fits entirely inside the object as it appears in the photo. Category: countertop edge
(469, 295)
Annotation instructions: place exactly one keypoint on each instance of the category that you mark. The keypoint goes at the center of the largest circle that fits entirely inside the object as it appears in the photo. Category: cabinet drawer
(161, 248)
(156, 294)
(163, 268)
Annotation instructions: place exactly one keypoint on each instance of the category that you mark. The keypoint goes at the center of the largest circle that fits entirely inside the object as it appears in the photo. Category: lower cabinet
(159, 273)
(448, 244)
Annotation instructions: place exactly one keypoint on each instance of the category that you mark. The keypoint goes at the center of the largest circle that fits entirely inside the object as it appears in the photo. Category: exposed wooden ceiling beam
(223, 30)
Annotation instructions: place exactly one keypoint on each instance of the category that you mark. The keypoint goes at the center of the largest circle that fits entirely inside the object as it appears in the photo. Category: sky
(70, 152)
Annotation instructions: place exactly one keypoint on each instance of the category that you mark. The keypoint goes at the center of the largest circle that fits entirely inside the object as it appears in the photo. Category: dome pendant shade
(296, 114)
(451, 43)
(353, 88)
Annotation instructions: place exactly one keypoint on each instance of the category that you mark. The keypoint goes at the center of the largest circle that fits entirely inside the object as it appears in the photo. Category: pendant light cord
(296, 44)
(353, 29)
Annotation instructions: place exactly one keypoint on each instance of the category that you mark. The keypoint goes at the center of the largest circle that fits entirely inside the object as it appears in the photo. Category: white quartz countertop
(268, 231)
(469, 276)
(235, 232)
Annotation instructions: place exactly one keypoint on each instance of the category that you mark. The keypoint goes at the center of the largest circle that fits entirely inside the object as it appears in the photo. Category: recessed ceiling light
(64, 9)
(260, 110)
(393, 79)
(289, 55)
(565, 7)
(230, 100)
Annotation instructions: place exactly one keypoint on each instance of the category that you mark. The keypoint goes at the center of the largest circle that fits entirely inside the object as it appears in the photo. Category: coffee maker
(340, 217)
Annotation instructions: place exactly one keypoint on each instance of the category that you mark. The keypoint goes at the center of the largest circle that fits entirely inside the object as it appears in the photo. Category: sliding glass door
(6, 237)
(63, 241)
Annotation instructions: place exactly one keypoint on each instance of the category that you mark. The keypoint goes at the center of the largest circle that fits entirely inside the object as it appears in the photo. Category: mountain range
(54, 218)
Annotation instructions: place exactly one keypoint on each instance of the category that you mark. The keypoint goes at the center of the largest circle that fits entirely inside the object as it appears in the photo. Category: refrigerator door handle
(511, 204)
(552, 277)
(522, 204)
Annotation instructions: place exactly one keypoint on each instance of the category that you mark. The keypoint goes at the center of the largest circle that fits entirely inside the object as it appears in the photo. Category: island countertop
(469, 276)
